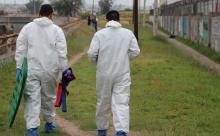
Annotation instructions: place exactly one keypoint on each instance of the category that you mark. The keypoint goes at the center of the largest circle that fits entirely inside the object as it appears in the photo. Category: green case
(18, 93)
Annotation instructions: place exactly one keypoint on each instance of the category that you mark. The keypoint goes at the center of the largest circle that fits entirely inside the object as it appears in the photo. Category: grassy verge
(215, 56)
(171, 94)
(210, 53)
(79, 39)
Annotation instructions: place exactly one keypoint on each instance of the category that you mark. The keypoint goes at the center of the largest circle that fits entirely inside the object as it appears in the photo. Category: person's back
(42, 35)
(115, 42)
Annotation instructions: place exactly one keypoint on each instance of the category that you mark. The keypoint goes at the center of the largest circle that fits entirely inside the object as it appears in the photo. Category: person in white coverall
(44, 44)
(111, 50)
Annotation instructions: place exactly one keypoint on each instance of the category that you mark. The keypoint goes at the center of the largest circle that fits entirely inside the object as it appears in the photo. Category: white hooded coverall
(111, 50)
(44, 44)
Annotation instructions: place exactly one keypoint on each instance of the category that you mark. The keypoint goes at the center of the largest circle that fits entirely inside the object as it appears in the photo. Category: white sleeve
(134, 49)
(94, 50)
(61, 48)
(21, 47)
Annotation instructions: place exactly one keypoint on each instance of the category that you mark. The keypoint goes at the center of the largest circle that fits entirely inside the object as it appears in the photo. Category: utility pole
(144, 16)
(139, 12)
(34, 8)
(155, 18)
(135, 17)
(92, 7)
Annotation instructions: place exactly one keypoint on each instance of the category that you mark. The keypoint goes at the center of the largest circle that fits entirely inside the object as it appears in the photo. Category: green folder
(18, 93)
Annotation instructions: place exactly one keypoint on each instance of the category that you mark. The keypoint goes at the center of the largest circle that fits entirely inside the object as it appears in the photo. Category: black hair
(46, 10)
(113, 15)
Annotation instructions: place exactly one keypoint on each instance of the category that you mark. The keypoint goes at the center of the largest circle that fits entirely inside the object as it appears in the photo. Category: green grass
(79, 39)
(171, 94)
(178, 96)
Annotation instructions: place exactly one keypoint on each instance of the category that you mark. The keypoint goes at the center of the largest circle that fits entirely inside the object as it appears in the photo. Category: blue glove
(18, 72)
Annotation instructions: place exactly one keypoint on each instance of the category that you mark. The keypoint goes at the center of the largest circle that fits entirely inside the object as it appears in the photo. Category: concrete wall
(215, 34)
(195, 28)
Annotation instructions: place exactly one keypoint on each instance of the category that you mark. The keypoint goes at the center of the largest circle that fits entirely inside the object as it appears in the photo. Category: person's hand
(68, 76)
(18, 72)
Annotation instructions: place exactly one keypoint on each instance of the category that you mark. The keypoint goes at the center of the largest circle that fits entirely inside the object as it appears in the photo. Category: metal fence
(7, 48)
(7, 42)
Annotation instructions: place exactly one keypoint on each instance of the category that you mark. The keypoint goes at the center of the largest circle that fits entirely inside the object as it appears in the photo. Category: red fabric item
(59, 95)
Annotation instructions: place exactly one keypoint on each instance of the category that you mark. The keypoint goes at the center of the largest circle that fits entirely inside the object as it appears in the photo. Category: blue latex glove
(18, 72)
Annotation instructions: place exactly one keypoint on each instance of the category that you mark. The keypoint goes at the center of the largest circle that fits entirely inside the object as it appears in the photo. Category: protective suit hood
(43, 21)
(113, 24)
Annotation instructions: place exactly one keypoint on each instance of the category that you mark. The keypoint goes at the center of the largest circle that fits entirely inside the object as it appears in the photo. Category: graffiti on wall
(203, 30)
(180, 26)
(194, 28)
(176, 25)
(185, 26)
(171, 24)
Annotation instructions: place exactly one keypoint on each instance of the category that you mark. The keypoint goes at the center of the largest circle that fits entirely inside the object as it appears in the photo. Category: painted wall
(203, 30)
(195, 28)
(215, 34)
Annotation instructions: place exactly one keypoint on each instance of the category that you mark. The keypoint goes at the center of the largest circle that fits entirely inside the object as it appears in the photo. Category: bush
(128, 9)
(84, 15)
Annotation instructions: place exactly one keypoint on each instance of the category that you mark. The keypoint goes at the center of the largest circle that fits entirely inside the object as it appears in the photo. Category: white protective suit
(111, 50)
(44, 44)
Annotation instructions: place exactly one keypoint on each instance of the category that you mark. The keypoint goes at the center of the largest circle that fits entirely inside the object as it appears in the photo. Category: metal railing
(8, 42)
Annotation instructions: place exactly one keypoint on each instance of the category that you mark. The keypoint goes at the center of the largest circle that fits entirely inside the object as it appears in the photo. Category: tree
(34, 6)
(105, 5)
(67, 7)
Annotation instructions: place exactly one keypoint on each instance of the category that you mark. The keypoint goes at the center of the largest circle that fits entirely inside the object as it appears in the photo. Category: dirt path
(75, 58)
(69, 128)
